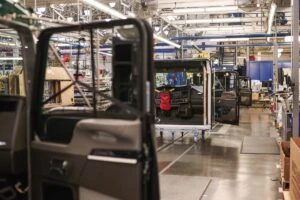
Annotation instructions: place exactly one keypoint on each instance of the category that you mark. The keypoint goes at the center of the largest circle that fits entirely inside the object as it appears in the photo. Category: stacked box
(255, 96)
(295, 169)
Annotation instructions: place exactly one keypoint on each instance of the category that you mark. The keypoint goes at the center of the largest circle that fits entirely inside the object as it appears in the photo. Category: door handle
(59, 167)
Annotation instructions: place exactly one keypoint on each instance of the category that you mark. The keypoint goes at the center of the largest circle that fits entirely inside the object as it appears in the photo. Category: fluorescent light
(105, 8)
(87, 12)
(112, 4)
(171, 18)
(167, 41)
(188, 10)
(41, 10)
(195, 21)
(222, 8)
(228, 39)
(104, 53)
(224, 20)
(11, 58)
(290, 39)
(131, 14)
(279, 54)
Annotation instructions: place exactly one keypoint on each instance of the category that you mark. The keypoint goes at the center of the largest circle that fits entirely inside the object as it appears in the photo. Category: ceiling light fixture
(131, 14)
(41, 10)
(290, 39)
(188, 10)
(112, 4)
(105, 8)
(104, 53)
(156, 28)
(70, 19)
(222, 8)
(171, 18)
(87, 12)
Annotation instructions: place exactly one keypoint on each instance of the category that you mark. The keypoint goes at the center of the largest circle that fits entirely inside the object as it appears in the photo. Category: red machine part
(165, 101)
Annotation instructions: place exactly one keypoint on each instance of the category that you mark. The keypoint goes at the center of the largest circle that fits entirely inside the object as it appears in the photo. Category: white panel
(112, 159)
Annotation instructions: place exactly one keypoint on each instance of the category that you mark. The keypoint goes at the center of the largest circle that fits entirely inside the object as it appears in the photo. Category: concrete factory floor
(234, 162)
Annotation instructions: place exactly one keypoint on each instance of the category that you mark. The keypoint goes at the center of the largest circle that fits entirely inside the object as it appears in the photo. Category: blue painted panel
(266, 70)
(253, 70)
(260, 70)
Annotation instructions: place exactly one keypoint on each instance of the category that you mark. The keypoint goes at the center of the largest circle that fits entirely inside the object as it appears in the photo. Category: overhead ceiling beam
(262, 35)
(175, 26)
(192, 3)
(108, 10)
(43, 3)
(218, 20)
(224, 28)
(241, 32)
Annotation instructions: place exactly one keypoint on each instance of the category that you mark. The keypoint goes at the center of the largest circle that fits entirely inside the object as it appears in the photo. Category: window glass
(225, 81)
(70, 76)
(244, 83)
(176, 79)
(11, 64)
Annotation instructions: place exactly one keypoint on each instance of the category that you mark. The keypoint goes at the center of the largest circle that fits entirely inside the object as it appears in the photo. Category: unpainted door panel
(226, 97)
(101, 149)
(98, 142)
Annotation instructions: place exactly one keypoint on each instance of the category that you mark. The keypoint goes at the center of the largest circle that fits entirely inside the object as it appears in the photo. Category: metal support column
(181, 51)
(247, 57)
(275, 66)
(295, 67)
(78, 10)
(98, 59)
(236, 56)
